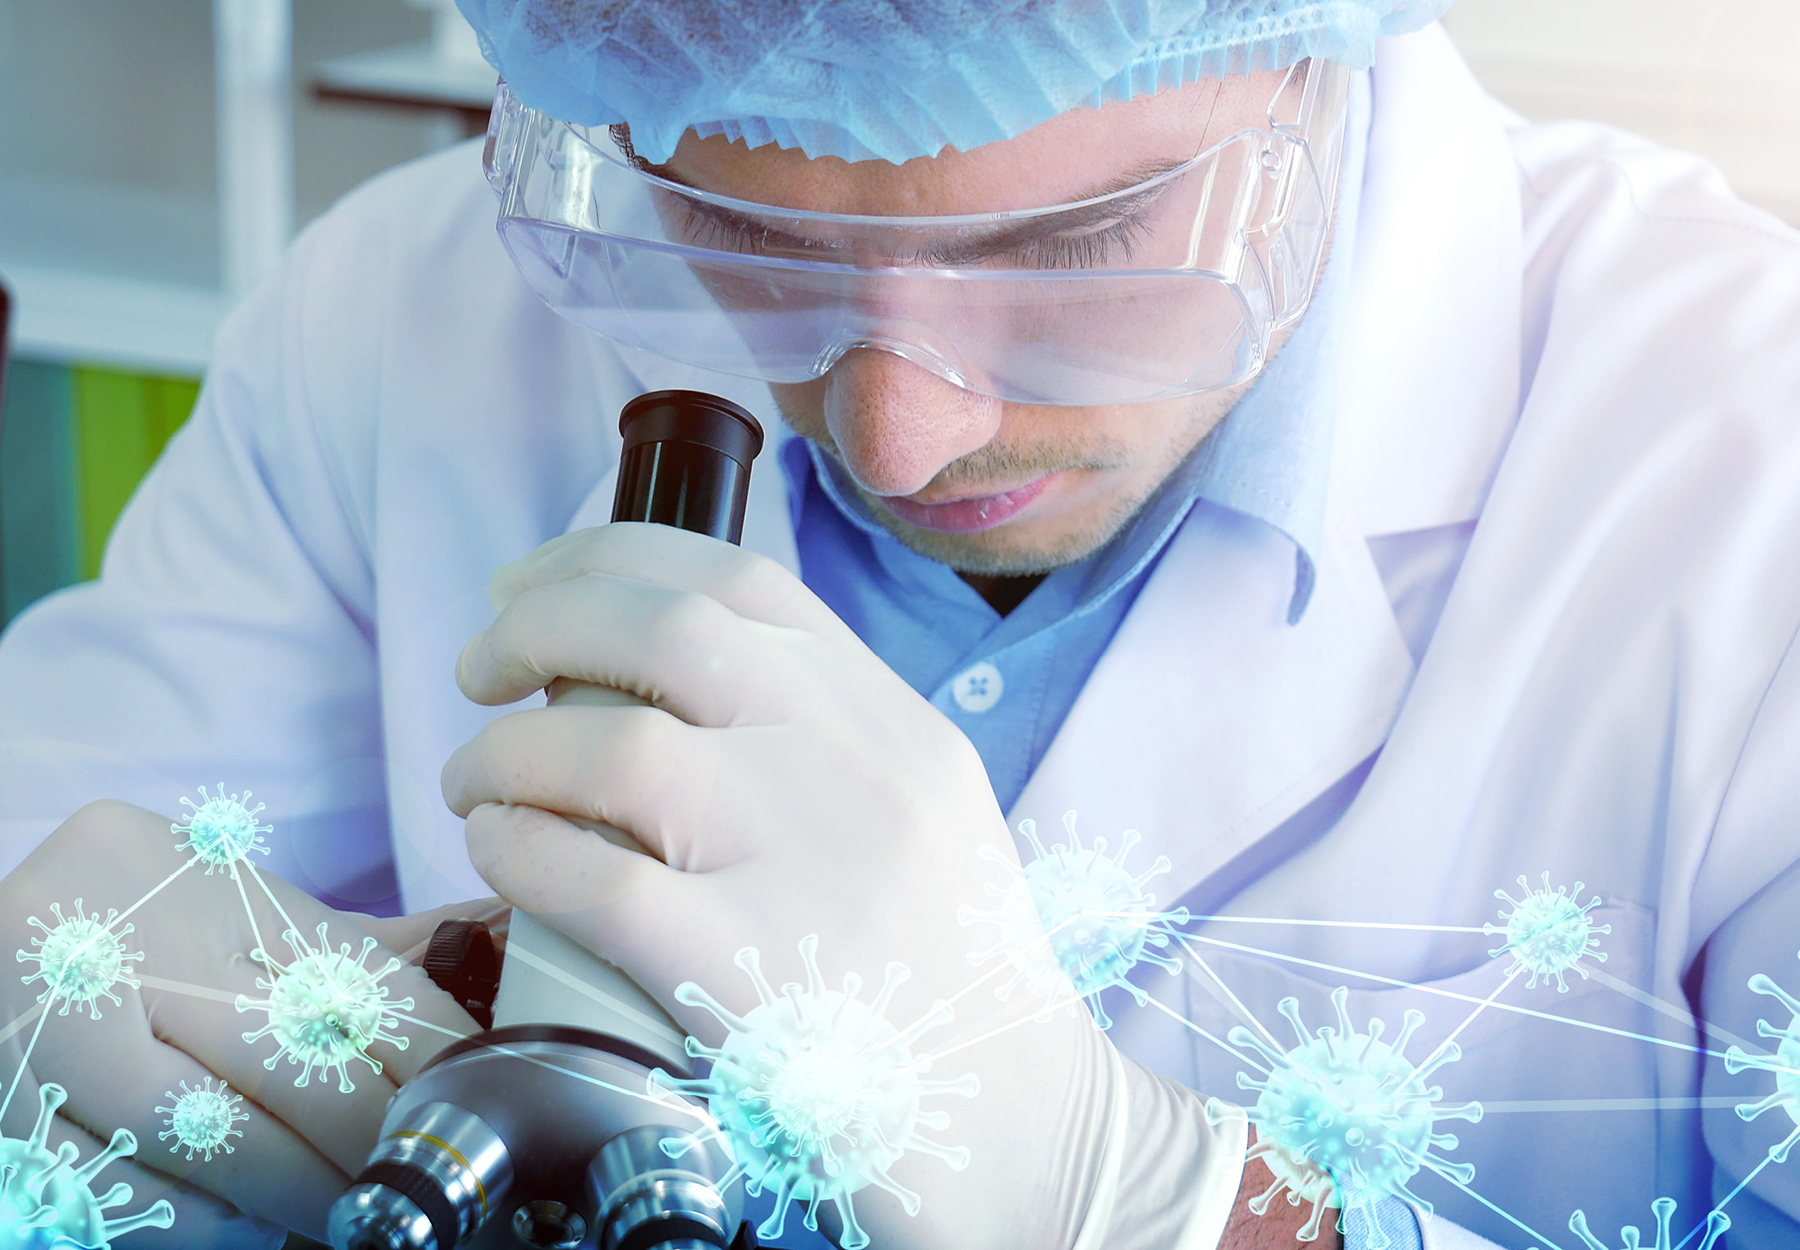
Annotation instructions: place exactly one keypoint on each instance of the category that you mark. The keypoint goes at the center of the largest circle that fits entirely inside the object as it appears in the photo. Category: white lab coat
(1552, 631)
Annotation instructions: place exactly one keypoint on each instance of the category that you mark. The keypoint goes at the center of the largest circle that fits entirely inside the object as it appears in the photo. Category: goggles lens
(1170, 287)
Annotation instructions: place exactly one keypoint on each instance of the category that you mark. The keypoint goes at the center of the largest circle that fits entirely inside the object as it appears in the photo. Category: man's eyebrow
(1002, 239)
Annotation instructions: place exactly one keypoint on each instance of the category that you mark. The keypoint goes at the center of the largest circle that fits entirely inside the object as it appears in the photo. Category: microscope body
(541, 1131)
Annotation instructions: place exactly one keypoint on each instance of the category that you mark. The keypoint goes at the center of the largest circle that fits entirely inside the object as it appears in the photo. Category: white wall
(1715, 76)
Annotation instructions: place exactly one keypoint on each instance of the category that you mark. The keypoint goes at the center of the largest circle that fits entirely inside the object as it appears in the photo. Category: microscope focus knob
(463, 962)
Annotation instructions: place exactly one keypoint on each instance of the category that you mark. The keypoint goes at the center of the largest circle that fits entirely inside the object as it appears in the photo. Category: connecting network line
(1256, 1058)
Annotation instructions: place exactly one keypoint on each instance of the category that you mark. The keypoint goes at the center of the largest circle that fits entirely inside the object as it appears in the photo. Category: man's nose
(896, 424)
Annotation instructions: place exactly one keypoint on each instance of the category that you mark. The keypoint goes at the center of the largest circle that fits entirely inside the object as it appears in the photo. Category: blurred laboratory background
(156, 157)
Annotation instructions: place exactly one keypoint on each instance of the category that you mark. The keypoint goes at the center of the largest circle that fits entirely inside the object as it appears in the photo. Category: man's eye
(748, 237)
(1091, 249)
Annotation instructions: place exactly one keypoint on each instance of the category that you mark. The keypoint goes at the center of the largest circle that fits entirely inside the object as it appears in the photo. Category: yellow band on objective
(480, 1189)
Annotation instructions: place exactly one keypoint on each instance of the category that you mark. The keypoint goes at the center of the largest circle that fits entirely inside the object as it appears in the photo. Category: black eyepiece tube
(686, 462)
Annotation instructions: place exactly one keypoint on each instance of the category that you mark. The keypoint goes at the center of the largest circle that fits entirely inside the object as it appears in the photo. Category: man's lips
(966, 516)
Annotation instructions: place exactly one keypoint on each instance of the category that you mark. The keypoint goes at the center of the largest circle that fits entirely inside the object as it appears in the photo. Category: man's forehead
(1083, 152)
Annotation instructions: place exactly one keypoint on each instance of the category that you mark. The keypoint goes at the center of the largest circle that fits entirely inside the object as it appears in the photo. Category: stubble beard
(995, 552)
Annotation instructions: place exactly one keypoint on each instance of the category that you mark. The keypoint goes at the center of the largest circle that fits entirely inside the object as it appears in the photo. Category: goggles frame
(598, 235)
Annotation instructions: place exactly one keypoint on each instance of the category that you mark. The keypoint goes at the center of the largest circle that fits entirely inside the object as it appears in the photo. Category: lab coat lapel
(768, 527)
(1210, 720)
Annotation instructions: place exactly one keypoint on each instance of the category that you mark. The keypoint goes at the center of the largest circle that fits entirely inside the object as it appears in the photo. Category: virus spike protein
(1664, 1208)
(1345, 1119)
(1075, 921)
(1548, 933)
(45, 1200)
(81, 959)
(325, 1008)
(816, 1093)
(203, 1118)
(222, 829)
(1784, 1064)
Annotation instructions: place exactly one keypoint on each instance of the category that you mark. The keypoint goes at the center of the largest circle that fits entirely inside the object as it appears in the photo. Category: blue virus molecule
(816, 1093)
(47, 1203)
(80, 959)
(203, 1118)
(1664, 1208)
(222, 829)
(1075, 921)
(1784, 1063)
(1345, 1119)
(325, 1008)
(1548, 933)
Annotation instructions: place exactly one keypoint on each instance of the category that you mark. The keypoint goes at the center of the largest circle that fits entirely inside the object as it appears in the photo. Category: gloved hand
(299, 1146)
(790, 784)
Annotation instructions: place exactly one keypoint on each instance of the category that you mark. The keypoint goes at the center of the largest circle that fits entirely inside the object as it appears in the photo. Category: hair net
(894, 79)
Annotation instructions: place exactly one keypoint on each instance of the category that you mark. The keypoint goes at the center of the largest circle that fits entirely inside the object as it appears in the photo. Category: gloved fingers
(637, 769)
(201, 1021)
(680, 650)
(201, 1220)
(400, 1048)
(269, 1169)
(550, 867)
(623, 905)
(751, 585)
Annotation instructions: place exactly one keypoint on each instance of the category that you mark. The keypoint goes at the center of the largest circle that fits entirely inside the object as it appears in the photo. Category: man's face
(989, 487)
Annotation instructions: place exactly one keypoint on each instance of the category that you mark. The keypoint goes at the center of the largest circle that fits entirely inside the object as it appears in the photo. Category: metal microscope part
(552, 1097)
(374, 1217)
(646, 1199)
(433, 1179)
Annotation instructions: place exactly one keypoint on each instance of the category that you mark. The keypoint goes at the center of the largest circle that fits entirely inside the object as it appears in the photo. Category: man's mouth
(970, 514)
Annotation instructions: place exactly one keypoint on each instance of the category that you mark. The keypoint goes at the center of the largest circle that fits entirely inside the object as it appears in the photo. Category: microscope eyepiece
(686, 462)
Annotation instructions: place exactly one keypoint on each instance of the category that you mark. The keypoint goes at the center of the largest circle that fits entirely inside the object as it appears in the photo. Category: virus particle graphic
(1075, 922)
(202, 1118)
(1548, 933)
(1785, 1064)
(816, 1093)
(222, 830)
(80, 959)
(46, 1201)
(325, 1008)
(1716, 1224)
(1345, 1119)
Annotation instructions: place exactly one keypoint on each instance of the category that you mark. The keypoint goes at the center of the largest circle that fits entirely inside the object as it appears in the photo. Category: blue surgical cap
(894, 79)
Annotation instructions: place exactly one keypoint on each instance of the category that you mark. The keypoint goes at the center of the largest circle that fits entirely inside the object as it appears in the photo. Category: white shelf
(111, 274)
(416, 75)
(68, 316)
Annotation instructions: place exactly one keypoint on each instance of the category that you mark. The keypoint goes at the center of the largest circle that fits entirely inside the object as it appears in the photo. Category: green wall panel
(122, 420)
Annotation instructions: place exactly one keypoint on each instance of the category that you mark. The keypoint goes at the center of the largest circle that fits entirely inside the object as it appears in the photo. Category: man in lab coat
(1526, 607)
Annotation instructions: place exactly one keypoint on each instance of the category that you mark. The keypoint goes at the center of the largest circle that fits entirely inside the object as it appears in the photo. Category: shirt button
(977, 688)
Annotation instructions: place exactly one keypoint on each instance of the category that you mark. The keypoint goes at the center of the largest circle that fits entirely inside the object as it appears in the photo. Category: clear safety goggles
(1172, 286)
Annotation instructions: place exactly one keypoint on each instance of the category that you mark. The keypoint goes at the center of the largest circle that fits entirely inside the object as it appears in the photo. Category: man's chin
(997, 552)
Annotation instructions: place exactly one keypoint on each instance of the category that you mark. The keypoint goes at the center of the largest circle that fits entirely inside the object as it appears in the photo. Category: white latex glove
(179, 1026)
(791, 784)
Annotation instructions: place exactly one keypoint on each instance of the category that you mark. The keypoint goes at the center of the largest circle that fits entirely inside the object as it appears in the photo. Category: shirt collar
(1270, 459)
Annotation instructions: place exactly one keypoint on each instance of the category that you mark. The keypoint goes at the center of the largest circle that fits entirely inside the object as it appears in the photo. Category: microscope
(539, 1132)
